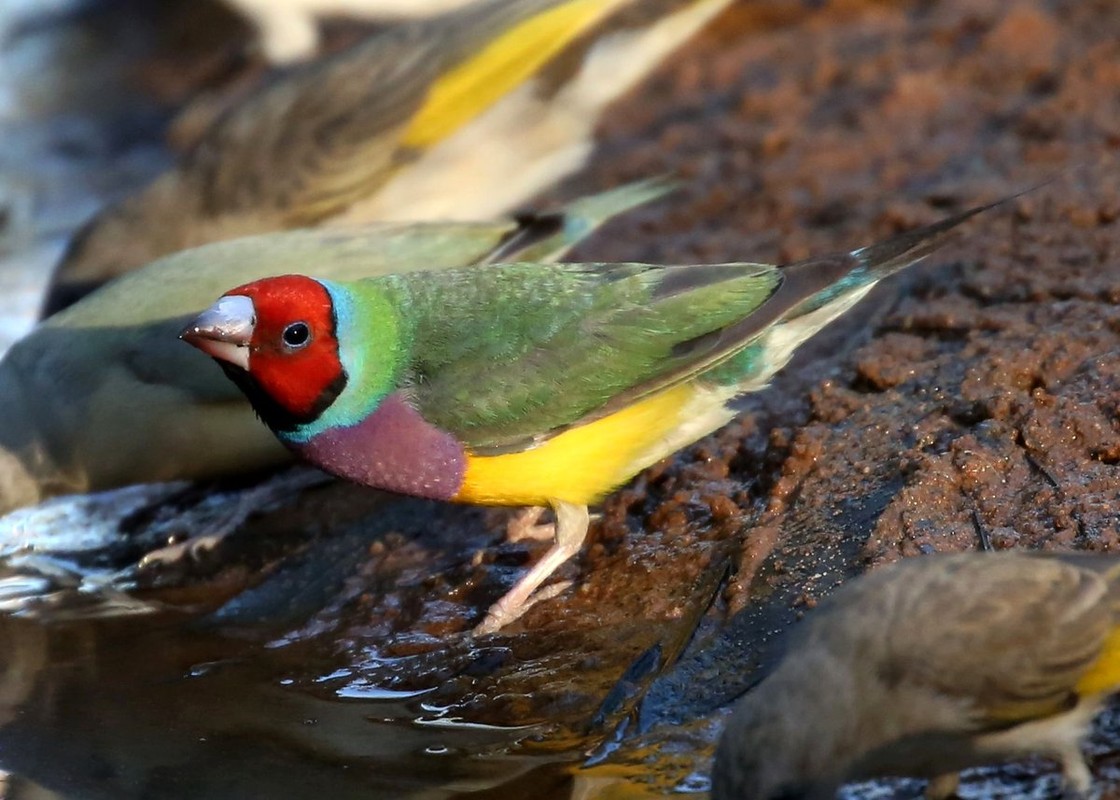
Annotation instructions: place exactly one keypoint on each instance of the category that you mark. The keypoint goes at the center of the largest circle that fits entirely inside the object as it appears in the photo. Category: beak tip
(193, 332)
(224, 330)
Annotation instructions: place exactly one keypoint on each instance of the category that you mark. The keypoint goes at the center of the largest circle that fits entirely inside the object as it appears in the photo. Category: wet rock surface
(972, 402)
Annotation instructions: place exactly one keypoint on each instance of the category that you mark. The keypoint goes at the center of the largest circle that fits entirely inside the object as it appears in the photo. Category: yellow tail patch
(583, 464)
(509, 60)
(1104, 673)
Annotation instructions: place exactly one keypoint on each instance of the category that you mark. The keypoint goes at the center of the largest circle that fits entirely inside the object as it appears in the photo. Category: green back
(505, 355)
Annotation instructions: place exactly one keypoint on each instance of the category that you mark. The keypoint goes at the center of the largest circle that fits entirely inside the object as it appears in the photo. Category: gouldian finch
(460, 117)
(524, 384)
(102, 395)
(930, 666)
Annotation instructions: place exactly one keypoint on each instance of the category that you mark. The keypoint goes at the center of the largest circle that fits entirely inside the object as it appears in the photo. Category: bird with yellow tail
(928, 667)
(463, 116)
(525, 384)
(101, 395)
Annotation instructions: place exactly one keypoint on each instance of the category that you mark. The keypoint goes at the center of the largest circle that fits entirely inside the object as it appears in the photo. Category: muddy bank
(972, 401)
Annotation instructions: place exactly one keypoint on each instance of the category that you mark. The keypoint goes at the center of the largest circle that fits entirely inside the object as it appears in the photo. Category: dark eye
(296, 335)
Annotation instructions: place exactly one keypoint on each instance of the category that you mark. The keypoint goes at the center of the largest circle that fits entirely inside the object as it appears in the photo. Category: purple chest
(394, 449)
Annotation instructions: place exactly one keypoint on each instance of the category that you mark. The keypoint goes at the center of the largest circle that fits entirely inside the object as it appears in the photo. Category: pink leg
(571, 529)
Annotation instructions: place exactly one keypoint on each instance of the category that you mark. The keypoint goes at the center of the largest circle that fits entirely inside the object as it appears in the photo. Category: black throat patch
(275, 416)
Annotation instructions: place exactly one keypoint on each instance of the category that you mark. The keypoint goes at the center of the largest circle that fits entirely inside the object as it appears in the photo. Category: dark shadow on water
(141, 708)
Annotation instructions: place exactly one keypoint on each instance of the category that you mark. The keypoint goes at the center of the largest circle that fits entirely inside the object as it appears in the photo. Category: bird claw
(192, 548)
(526, 526)
(239, 508)
(502, 613)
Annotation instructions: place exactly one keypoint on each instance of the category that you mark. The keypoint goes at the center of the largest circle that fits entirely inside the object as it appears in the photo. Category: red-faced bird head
(276, 338)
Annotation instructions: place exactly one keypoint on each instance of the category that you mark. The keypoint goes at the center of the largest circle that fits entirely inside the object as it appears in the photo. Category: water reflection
(155, 708)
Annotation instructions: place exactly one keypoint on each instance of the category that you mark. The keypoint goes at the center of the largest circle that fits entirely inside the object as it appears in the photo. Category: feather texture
(930, 666)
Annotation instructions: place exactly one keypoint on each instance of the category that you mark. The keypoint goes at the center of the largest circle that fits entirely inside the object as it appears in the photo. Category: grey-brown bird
(462, 116)
(103, 394)
(931, 666)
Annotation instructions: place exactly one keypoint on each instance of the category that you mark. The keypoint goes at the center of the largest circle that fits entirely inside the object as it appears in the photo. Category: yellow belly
(1104, 674)
(583, 464)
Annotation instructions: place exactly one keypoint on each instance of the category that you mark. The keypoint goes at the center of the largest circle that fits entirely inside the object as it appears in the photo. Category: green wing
(507, 355)
(184, 283)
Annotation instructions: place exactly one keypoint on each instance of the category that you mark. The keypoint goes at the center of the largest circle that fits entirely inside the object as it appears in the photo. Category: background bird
(102, 395)
(288, 31)
(930, 666)
(525, 384)
(463, 116)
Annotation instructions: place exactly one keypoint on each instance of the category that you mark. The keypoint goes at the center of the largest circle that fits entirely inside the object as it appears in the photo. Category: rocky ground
(973, 401)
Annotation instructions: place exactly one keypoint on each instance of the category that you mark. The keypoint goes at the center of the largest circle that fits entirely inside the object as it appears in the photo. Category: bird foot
(502, 613)
(1077, 779)
(526, 525)
(571, 529)
(262, 497)
(192, 548)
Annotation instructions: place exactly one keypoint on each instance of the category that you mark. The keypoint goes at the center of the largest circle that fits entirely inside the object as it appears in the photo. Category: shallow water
(150, 708)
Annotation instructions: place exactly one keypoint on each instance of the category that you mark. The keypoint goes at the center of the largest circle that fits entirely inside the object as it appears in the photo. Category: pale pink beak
(224, 330)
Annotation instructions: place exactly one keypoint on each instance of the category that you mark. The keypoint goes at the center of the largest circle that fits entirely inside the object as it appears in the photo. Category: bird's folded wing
(313, 143)
(509, 355)
(1024, 633)
(811, 284)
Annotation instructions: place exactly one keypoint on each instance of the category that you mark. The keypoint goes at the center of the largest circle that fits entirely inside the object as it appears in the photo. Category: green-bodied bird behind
(928, 667)
(464, 116)
(525, 384)
(101, 395)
